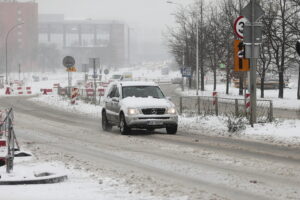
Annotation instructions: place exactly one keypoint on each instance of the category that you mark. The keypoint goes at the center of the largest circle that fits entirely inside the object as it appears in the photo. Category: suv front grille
(154, 111)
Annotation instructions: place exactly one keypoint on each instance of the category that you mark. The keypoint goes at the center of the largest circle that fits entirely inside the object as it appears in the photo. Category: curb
(46, 180)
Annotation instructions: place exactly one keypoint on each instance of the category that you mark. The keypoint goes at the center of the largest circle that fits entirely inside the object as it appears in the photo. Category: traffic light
(241, 64)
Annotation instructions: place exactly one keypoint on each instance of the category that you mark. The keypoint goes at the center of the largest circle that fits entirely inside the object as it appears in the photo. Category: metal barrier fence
(204, 105)
(6, 127)
(86, 95)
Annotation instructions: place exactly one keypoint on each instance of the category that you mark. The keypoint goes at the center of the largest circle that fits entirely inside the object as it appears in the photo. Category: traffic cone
(7, 92)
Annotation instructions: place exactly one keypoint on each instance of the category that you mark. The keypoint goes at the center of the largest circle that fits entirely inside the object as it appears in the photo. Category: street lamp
(6, 41)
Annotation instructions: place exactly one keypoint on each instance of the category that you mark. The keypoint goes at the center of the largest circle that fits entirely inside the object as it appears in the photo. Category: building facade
(21, 40)
(85, 39)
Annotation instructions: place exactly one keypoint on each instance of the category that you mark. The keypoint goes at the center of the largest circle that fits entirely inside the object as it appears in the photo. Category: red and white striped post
(215, 95)
(74, 95)
(247, 102)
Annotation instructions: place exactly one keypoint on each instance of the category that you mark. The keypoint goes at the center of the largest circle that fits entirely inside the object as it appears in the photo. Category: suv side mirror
(169, 98)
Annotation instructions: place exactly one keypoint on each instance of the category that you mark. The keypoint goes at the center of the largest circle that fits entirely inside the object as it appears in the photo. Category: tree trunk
(262, 86)
(190, 83)
(298, 93)
(281, 84)
(215, 79)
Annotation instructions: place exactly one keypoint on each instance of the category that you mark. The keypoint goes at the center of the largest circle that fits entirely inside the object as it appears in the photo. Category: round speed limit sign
(239, 26)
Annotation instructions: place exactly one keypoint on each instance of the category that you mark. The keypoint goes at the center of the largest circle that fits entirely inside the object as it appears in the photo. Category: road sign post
(69, 63)
(253, 12)
(95, 63)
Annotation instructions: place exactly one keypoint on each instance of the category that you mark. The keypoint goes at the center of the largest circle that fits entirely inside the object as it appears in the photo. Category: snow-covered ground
(79, 185)
(280, 131)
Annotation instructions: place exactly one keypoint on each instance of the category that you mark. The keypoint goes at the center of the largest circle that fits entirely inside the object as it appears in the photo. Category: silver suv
(138, 105)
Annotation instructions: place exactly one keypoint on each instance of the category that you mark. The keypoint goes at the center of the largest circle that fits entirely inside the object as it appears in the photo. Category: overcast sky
(146, 18)
(150, 14)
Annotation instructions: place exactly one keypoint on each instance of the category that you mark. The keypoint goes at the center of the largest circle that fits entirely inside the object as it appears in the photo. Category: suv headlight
(133, 111)
(171, 110)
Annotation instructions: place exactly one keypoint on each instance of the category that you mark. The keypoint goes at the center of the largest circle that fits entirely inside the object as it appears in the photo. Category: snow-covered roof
(137, 83)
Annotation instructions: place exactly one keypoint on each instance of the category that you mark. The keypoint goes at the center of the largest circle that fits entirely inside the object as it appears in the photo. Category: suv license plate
(155, 123)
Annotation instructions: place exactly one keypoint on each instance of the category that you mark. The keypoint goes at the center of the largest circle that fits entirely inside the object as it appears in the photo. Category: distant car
(45, 78)
(132, 104)
(36, 78)
(115, 77)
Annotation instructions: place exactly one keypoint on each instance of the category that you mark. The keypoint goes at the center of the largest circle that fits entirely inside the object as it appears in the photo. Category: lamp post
(6, 44)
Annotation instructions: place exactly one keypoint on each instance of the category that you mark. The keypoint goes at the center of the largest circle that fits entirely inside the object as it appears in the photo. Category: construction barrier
(8, 91)
(28, 90)
(46, 91)
(19, 90)
(75, 94)
(89, 92)
(101, 92)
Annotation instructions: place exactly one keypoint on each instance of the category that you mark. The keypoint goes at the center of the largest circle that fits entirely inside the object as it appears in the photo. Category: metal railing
(7, 130)
(204, 105)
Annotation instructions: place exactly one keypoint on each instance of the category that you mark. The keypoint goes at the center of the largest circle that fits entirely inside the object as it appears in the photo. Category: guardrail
(205, 105)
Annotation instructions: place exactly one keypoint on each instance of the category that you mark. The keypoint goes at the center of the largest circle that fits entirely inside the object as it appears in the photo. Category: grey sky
(147, 18)
(153, 13)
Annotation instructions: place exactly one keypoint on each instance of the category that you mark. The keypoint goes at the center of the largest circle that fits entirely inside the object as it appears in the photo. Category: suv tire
(172, 129)
(124, 129)
(106, 126)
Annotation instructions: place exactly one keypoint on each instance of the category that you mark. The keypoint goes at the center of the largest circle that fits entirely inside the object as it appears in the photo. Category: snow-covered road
(184, 166)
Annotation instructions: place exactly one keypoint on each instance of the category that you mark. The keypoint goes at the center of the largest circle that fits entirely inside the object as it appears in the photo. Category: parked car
(133, 104)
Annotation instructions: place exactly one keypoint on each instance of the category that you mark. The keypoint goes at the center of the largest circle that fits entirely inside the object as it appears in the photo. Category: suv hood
(150, 102)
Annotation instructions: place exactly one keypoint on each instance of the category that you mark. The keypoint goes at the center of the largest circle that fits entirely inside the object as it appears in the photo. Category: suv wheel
(124, 129)
(106, 126)
(172, 129)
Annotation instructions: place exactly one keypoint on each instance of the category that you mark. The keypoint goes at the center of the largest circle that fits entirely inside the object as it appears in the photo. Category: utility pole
(252, 40)
(202, 47)
(197, 56)
(183, 63)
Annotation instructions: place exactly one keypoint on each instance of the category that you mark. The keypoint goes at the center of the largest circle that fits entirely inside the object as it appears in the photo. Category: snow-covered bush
(235, 124)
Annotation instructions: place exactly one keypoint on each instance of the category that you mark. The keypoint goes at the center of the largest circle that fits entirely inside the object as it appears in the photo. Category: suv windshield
(142, 91)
